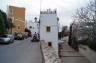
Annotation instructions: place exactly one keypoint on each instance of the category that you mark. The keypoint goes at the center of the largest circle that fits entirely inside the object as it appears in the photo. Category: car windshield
(19, 35)
(9, 35)
(3, 36)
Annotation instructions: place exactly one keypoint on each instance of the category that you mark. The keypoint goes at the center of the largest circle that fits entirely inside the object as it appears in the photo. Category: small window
(50, 44)
(30, 27)
(48, 29)
(18, 27)
(11, 11)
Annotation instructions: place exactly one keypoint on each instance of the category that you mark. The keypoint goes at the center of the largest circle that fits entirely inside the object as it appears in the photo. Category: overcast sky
(65, 8)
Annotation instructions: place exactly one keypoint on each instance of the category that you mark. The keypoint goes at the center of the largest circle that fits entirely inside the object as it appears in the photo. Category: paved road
(68, 55)
(22, 51)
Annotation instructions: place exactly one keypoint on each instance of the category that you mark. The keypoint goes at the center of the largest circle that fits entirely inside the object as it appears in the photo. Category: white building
(49, 28)
(33, 26)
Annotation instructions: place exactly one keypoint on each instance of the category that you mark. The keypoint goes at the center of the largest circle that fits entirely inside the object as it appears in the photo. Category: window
(48, 29)
(50, 44)
(30, 27)
(18, 19)
(12, 11)
(18, 27)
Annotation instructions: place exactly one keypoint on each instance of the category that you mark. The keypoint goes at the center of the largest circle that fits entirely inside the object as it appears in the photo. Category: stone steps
(69, 55)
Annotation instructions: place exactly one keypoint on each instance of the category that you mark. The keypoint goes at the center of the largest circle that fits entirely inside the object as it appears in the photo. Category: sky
(65, 8)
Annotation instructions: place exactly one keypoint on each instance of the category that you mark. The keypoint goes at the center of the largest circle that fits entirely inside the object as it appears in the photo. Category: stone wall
(50, 55)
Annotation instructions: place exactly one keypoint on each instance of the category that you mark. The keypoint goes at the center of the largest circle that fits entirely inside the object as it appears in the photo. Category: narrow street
(21, 51)
(68, 55)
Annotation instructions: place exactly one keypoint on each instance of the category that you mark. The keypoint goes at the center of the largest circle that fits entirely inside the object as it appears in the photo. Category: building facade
(17, 16)
(33, 26)
(49, 28)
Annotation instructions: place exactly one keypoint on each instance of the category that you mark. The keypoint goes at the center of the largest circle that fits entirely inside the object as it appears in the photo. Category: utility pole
(40, 5)
(95, 9)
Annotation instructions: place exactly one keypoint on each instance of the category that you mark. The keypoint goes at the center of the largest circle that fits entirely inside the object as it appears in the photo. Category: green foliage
(64, 32)
(5, 19)
(91, 44)
(5, 24)
(2, 25)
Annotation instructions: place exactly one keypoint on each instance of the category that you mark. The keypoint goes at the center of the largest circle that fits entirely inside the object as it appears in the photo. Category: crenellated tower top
(49, 11)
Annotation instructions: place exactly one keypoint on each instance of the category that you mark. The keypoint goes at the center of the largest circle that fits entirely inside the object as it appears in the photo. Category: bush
(83, 42)
(91, 44)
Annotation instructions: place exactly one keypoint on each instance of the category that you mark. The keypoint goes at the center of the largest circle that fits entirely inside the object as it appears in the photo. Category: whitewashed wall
(34, 26)
(49, 20)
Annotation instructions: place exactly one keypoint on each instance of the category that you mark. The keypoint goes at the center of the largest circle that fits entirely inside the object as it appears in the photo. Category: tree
(86, 18)
(85, 25)
(2, 25)
(5, 24)
(64, 32)
(5, 19)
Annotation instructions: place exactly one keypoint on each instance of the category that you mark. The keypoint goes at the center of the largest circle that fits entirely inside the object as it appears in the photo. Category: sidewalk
(68, 55)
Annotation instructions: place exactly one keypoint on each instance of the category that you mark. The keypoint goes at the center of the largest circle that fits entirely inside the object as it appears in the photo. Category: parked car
(5, 39)
(19, 36)
(26, 35)
(11, 37)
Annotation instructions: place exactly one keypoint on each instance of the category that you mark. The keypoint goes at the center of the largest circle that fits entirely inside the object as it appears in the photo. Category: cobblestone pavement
(68, 55)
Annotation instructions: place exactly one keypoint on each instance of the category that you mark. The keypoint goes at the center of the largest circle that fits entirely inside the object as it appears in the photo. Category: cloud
(65, 8)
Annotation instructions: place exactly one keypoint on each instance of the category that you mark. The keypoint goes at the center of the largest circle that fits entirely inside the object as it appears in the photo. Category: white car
(6, 39)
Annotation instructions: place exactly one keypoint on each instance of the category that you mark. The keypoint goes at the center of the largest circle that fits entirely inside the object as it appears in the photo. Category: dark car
(19, 37)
